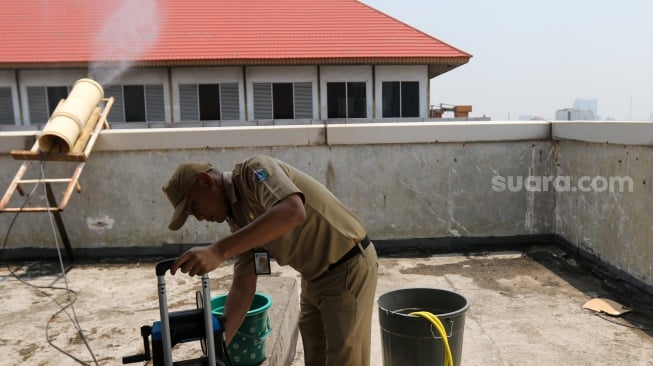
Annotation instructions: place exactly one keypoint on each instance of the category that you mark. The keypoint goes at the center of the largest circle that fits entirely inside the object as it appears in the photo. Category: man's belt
(350, 254)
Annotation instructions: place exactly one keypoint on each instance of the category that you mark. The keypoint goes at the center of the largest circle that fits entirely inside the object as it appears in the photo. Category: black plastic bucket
(412, 340)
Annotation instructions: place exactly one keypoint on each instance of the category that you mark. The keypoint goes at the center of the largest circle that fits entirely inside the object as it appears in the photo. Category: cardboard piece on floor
(607, 306)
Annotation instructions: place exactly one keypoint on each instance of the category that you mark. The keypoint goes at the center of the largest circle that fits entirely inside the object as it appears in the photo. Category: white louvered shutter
(117, 113)
(154, 103)
(189, 102)
(37, 104)
(303, 100)
(230, 110)
(262, 101)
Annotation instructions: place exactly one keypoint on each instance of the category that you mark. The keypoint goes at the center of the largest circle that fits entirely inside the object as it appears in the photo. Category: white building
(233, 62)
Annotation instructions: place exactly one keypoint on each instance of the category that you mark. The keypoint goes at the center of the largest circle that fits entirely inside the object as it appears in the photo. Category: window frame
(348, 102)
(41, 110)
(7, 97)
(152, 94)
(265, 98)
(393, 106)
(191, 99)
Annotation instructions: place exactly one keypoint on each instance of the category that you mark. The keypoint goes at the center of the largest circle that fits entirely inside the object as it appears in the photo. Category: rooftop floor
(525, 309)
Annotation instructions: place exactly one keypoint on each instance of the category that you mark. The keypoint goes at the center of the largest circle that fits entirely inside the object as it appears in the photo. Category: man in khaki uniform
(272, 207)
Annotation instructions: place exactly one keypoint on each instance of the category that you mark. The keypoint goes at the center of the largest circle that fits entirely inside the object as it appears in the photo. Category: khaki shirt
(329, 230)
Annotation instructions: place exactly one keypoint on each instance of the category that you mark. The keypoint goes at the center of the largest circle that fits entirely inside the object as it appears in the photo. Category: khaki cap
(177, 188)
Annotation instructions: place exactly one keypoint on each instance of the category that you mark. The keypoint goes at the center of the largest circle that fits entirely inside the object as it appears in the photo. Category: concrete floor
(525, 309)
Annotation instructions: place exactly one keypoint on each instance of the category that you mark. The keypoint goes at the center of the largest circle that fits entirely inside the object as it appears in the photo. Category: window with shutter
(154, 103)
(209, 102)
(6, 107)
(136, 103)
(37, 104)
(117, 113)
(42, 100)
(303, 100)
(262, 101)
(189, 102)
(283, 100)
(230, 110)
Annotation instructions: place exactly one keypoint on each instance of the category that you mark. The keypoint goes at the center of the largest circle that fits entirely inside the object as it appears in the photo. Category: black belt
(350, 254)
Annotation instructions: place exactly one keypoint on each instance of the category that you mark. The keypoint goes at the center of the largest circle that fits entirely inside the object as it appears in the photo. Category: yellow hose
(437, 324)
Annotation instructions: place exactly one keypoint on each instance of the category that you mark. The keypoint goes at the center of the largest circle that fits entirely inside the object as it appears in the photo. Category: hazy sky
(535, 57)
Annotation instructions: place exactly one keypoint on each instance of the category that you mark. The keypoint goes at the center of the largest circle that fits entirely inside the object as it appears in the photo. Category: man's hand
(282, 217)
(197, 261)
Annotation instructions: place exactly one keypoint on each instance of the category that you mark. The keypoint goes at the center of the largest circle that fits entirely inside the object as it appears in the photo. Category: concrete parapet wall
(410, 180)
(611, 222)
(399, 191)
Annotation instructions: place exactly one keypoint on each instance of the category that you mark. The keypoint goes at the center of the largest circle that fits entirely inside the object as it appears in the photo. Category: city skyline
(534, 58)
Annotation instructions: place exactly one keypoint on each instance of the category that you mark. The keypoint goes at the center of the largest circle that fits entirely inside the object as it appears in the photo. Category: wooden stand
(79, 155)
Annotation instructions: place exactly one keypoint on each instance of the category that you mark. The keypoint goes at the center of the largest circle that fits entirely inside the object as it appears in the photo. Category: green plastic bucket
(247, 348)
(412, 340)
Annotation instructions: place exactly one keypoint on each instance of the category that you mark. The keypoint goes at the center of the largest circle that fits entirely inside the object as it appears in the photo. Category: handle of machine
(163, 266)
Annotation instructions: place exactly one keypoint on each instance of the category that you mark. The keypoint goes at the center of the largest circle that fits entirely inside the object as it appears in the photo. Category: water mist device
(69, 118)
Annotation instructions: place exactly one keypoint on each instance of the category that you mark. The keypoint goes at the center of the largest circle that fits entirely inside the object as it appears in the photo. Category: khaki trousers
(336, 313)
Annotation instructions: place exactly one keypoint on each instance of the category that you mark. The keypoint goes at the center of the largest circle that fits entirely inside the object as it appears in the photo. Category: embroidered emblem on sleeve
(261, 175)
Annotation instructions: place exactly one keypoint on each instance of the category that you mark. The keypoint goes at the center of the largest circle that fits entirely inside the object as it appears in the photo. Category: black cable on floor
(72, 295)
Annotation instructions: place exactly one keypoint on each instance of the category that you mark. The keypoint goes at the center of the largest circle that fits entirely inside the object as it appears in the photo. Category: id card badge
(262, 262)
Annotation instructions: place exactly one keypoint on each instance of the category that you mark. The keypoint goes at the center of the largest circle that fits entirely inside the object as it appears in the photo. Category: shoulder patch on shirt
(260, 174)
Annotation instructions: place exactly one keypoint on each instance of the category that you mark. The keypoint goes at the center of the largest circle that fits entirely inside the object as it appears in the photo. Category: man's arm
(281, 218)
(238, 302)
(276, 221)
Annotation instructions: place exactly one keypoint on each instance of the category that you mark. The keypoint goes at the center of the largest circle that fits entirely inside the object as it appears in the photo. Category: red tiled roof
(184, 32)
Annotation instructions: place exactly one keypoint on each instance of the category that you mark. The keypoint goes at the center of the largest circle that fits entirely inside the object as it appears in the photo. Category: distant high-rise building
(573, 114)
(587, 105)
